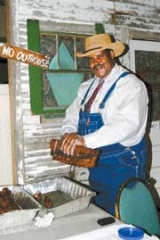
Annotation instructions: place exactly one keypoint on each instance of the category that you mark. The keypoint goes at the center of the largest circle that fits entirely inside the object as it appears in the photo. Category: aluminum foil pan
(80, 196)
(28, 209)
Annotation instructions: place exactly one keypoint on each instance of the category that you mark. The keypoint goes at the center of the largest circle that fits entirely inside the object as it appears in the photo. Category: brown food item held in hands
(83, 156)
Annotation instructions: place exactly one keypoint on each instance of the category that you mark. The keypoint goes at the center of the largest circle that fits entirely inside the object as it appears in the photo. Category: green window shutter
(35, 73)
(99, 28)
(38, 77)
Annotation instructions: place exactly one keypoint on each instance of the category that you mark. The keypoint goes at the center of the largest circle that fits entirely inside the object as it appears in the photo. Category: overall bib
(116, 163)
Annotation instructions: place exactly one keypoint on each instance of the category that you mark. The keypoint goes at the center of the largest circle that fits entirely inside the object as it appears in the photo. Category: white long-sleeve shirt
(125, 113)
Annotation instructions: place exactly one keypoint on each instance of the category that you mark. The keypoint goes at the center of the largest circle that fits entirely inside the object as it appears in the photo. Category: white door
(153, 63)
(5, 137)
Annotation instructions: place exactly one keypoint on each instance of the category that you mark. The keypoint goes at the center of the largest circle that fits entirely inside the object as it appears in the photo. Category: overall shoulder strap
(102, 104)
(83, 100)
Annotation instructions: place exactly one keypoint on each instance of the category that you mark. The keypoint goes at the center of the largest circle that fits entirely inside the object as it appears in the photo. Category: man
(115, 122)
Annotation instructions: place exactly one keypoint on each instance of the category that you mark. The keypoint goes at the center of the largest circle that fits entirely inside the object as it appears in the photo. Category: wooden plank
(24, 55)
(137, 23)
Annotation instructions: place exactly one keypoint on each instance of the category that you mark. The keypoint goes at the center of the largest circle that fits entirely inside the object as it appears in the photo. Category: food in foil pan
(52, 199)
(17, 207)
(43, 199)
(7, 202)
(60, 195)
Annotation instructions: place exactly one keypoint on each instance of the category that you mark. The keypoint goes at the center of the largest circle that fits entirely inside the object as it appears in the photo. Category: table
(68, 227)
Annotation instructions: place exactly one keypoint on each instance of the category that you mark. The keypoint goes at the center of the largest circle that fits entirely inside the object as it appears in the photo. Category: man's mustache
(98, 66)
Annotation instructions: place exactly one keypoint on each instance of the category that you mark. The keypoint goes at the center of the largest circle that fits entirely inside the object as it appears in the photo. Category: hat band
(92, 49)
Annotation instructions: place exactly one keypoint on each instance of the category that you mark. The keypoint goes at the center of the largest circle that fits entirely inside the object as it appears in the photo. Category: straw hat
(99, 42)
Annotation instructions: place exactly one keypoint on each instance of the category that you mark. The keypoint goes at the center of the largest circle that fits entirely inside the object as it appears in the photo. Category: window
(145, 58)
(53, 90)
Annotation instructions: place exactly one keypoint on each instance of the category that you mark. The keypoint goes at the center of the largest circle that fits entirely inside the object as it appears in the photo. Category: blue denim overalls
(116, 162)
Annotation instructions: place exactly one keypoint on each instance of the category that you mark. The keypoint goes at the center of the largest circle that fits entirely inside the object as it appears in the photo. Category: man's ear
(112, 54)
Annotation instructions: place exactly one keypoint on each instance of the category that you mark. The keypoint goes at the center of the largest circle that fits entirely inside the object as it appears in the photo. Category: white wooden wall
(5, 139)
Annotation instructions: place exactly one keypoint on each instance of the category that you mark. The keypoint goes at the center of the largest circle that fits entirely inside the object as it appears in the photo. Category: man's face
(101, 63)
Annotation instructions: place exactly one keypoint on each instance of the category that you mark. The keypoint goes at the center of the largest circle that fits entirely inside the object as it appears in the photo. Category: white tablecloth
(77, 226)
(109, 232)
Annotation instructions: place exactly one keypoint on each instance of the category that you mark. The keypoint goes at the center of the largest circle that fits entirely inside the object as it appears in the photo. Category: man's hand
(69, 141)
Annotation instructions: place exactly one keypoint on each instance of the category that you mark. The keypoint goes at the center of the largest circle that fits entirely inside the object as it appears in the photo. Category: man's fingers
(70, 141)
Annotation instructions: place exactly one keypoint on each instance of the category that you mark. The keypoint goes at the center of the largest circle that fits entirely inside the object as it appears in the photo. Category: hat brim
(117, 47)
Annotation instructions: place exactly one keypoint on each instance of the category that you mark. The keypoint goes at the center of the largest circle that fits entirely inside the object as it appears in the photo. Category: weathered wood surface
(24, 55)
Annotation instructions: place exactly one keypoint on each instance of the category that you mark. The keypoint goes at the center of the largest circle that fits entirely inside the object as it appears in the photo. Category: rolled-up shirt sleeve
(70, 122)
(71, 119)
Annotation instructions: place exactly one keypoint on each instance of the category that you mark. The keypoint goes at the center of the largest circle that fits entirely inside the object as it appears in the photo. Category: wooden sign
(24, 55)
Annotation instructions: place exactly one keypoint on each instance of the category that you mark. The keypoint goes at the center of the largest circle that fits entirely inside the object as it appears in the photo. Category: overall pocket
(128, 158)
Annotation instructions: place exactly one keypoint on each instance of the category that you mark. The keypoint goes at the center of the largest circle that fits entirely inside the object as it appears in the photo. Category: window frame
(144, 46)
(34, 28)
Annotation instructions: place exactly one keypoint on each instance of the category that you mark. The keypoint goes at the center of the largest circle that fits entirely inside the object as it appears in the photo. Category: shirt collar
(113, 73)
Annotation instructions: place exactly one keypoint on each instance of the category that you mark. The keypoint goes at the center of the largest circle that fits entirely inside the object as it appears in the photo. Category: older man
(112, 118)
